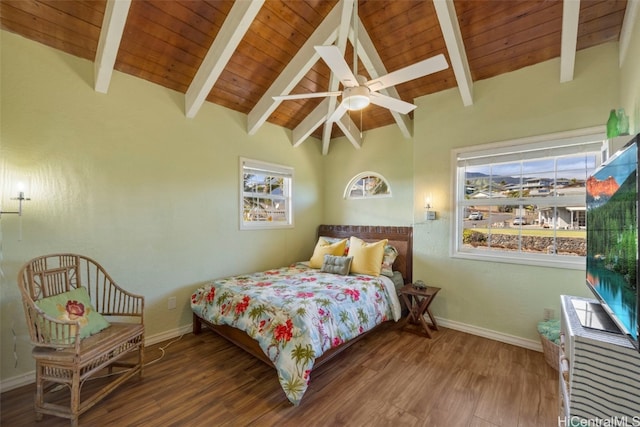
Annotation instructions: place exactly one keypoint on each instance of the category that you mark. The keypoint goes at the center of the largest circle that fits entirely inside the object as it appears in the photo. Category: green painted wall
(630, 80)
(504, 298)
(126, 179)
(384, 151)
(485, 297)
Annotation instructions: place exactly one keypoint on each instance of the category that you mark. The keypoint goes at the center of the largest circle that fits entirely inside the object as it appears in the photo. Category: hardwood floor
(393, 377)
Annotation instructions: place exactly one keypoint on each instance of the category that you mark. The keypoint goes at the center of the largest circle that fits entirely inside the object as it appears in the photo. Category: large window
(265, 195)
(524, 201)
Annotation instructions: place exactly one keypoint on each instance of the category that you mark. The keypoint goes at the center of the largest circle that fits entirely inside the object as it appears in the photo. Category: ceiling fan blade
(419, 69)
(338, 113)
(333, 58)
(391, 103)
(305, 95)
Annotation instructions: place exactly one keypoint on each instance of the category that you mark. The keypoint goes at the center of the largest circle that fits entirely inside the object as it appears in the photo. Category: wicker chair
(70, 362)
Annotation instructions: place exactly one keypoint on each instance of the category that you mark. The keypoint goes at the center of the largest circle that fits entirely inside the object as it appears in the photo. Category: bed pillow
(74, 305)
(323, 248)
(367, 257)
(336, 264)
(390, 255)
(338, 239)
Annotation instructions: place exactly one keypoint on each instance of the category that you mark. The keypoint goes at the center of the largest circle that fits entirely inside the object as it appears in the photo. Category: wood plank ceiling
(167, 42)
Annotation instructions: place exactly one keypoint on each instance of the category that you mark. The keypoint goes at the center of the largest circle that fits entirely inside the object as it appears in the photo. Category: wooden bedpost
(197, 326)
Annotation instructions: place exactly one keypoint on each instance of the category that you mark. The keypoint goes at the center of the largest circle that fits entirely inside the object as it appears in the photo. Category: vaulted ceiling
(240, 54)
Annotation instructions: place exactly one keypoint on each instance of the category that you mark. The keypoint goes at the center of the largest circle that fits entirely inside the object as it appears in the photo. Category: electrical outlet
(548, 314)
(171, 303)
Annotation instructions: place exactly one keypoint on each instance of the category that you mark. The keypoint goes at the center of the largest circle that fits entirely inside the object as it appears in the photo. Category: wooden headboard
(399, 237)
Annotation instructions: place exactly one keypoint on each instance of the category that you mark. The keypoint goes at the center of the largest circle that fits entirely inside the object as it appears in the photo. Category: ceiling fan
(357, 93)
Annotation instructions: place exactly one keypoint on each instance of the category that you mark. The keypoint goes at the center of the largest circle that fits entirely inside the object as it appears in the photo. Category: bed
(296, 318)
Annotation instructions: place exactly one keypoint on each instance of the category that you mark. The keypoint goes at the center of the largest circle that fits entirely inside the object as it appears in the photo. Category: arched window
(367, 185)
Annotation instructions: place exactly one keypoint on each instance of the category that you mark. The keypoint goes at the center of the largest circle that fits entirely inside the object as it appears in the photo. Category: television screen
(612, 238)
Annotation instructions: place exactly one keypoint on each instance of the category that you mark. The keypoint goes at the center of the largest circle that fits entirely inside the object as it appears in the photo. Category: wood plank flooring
(391, 378)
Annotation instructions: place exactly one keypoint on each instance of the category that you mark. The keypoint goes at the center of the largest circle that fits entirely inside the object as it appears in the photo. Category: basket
(551, 352)
(549, 331)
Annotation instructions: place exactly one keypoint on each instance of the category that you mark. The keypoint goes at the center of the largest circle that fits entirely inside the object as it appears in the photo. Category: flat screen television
(612, 238)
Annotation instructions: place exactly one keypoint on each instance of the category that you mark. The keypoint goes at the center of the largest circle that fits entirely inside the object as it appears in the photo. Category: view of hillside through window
(535, 205)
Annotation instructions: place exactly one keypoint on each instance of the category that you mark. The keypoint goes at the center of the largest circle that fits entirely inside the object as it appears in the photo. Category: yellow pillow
(367, 257)
(325, 248)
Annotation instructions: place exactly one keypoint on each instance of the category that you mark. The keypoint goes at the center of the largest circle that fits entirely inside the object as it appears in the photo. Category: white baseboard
(17, 381)
(30, 377)
(167, 335)
(490, 334)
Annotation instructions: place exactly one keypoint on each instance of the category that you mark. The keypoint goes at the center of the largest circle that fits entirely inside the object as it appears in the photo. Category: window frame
(594, 138)
(287, 172)
(353, 181)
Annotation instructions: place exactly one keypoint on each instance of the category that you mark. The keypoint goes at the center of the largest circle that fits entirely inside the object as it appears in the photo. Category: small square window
(265, 195)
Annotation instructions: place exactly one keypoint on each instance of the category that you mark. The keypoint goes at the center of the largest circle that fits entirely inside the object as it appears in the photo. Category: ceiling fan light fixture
(356, 98)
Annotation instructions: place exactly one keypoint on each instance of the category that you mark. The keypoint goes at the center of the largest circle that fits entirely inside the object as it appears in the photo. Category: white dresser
(599, 372)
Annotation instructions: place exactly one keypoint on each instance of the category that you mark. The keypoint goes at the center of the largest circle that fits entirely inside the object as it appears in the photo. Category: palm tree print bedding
(297, 313)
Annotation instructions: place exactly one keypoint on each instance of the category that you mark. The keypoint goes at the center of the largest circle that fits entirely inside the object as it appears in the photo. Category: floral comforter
(297, 313)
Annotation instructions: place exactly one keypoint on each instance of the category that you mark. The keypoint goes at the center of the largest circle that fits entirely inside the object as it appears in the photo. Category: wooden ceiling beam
(113, 22)
(165, 42)
(316, 118)
(448, 19)
(570, 17)
(328, 106)
(334, 83)
(630, 19)
(311, 122)
(326, 132)
(350, 130)
(375, 67)
(326, 33)
(231, 33)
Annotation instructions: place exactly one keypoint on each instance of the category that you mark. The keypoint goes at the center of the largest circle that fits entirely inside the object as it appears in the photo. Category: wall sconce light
(429, 215)
(21, 198)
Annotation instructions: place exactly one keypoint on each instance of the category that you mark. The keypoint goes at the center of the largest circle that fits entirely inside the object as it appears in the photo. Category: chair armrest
(116, 301)
(47, 331)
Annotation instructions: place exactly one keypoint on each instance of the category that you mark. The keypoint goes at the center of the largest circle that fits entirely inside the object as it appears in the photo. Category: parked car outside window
(517, 183)
(475, 216)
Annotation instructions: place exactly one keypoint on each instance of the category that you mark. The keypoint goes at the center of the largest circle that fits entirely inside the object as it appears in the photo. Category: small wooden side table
(418, 301)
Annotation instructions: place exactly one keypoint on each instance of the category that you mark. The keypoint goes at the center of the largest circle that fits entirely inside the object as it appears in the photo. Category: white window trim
(273, 168)
(351, 183)
(597, 133)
